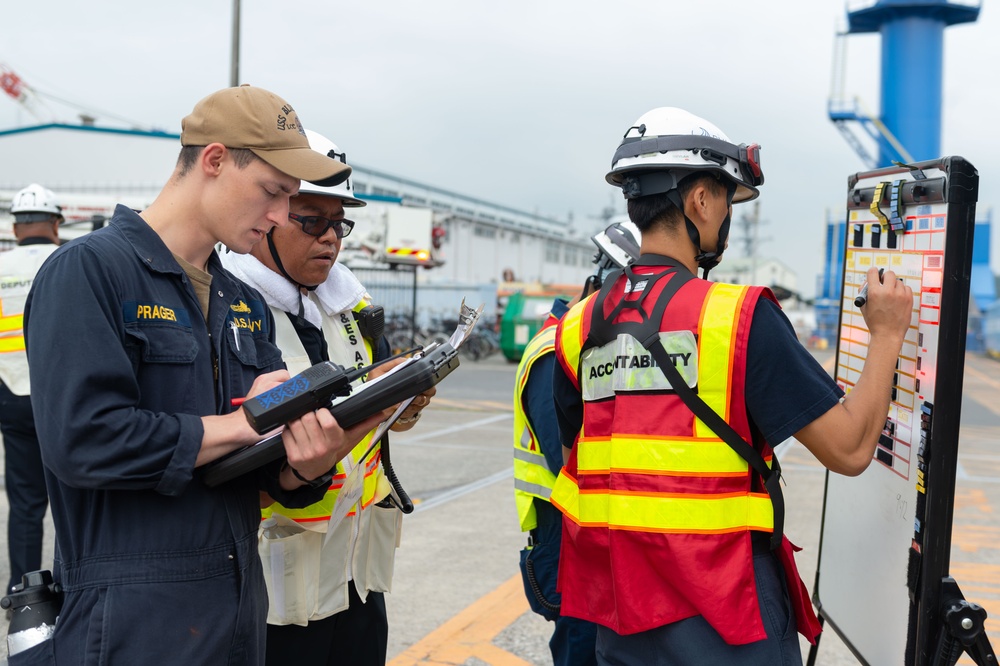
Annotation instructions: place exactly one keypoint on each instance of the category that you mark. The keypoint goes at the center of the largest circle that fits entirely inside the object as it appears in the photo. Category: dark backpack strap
(770, 475)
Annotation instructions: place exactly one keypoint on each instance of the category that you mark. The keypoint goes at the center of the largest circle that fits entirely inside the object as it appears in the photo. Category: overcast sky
(520, 103)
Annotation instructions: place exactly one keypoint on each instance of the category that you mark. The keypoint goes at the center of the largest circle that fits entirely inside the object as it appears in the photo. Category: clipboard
(405, 381)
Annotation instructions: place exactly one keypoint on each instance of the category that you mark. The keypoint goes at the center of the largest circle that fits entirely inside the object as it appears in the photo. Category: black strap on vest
(647, 332)
(603, 330)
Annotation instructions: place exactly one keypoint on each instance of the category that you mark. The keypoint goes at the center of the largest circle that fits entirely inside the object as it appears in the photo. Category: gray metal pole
(413, 311)
(234, 66)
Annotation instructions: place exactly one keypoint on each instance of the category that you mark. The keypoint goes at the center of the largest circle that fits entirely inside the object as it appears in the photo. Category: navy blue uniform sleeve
(537, 401)
(568, 403)
(84, 390)
(786, 388)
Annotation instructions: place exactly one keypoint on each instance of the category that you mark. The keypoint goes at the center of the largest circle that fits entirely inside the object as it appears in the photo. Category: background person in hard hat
(138, 340)
(332, 612)
(684, 562)
(37, 215)
(538, 459)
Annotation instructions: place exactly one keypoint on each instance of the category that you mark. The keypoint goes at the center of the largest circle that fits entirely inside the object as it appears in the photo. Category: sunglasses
(315, 225)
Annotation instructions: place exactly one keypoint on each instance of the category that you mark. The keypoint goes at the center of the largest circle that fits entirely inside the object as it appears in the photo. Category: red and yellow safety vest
(532, 476)
(659, 509)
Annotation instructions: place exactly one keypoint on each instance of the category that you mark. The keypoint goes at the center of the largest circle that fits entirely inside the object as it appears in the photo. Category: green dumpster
(522, 317)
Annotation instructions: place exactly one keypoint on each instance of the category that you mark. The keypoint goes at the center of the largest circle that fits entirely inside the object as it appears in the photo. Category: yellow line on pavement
(475, 405)
(471, 632)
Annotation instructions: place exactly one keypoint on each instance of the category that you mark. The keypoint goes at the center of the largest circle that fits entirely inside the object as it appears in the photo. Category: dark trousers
(357, 636)
(573, 640)
(25, 482)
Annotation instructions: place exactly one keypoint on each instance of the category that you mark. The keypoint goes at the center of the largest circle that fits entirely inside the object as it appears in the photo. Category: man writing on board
(669, 391)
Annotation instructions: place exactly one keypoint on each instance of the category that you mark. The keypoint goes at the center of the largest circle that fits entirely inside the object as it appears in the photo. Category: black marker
(862, 297)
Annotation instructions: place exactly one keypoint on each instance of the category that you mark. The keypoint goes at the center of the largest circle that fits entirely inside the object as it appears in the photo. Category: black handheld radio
(307, 391)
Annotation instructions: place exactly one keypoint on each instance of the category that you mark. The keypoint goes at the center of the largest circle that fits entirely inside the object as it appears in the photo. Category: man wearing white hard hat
(327, 607)
(670, 391)
(37, 215)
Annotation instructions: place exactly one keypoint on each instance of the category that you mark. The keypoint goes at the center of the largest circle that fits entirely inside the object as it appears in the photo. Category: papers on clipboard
(353, 488)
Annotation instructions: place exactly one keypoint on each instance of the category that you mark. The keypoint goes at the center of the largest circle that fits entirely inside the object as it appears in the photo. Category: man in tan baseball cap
(268, 126)
(141, 396)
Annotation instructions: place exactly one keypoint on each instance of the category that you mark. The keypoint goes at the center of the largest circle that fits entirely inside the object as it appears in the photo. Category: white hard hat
(34, 204)
(617, 246)
(344, 190)
(666, 144)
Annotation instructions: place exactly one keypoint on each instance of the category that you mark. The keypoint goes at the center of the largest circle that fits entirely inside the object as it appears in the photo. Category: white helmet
(669, 144)
(617, 246)
(34, 204)
(344, 190)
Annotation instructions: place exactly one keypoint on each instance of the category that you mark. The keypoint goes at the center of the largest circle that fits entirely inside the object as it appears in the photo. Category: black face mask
(708, 260)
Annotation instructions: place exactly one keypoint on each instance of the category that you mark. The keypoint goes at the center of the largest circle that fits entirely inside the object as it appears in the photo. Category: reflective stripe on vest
(532, 476)
(10, 323)
(315, 514)
(12, 343)
(677, 456)
(676, 513)
(569, 339)
(717, 345)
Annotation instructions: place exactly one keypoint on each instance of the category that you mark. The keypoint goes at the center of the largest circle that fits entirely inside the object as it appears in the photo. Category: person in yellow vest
(37, 215)
(326, 591)
(538, 459)
(669, 393)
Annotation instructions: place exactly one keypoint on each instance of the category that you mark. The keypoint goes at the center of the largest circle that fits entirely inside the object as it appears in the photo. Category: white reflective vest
(18, 268)
(307, 571)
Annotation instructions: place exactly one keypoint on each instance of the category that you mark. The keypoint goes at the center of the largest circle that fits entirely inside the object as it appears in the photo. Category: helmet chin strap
(706, 260)
(277, 262)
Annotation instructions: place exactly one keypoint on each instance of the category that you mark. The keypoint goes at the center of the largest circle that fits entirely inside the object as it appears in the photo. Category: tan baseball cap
(260, 121)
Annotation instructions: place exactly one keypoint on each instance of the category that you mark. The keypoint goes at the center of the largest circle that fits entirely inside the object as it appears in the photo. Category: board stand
(814, 648)
(963, 629)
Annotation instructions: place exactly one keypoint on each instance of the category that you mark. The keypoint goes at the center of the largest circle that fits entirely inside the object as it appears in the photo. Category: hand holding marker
(862, 296)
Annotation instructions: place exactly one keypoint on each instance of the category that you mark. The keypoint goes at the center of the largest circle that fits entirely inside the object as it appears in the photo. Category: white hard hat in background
(34, 204)
(344, 190)
(666, 144)
(617, 246)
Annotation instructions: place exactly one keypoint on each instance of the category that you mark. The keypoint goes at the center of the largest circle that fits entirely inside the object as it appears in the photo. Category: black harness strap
(603, 330)
(648, 333)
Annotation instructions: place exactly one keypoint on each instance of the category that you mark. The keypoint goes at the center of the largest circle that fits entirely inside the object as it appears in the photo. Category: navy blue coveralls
(156, 566)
